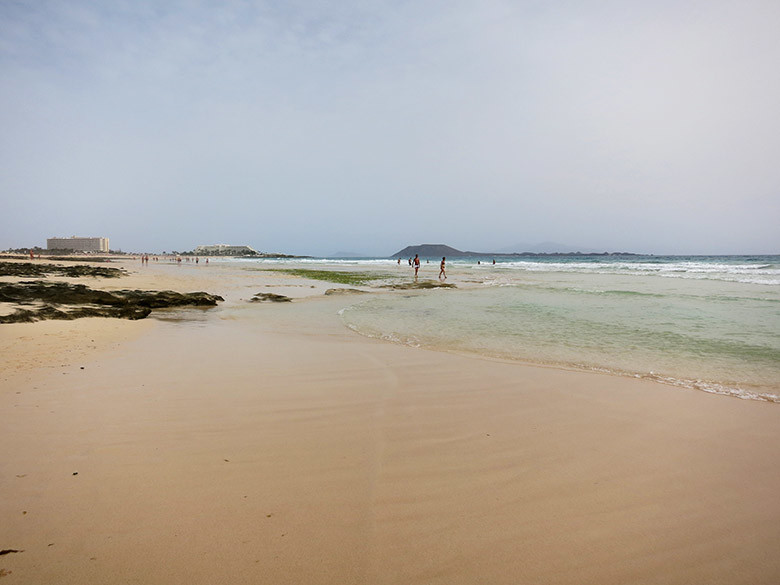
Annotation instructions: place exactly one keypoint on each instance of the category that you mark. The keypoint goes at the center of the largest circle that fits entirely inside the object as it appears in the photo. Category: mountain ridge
(439, 250)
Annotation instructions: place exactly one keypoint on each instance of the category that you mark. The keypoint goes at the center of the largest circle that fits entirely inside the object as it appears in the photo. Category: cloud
(615, 124)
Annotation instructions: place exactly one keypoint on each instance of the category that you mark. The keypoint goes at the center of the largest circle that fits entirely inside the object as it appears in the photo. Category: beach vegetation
(337, 276)
(423, 284)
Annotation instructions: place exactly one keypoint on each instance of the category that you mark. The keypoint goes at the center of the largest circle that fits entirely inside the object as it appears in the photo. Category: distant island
(439, 250)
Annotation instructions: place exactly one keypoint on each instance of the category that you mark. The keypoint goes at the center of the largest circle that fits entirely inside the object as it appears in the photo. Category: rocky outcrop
(27, 269)
(82, 301)
(51, 312)
(274, 298)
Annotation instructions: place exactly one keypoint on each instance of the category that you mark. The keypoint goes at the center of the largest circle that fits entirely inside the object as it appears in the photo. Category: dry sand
(267, 443)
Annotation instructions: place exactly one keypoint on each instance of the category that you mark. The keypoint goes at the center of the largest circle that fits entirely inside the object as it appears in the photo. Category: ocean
(701, 323)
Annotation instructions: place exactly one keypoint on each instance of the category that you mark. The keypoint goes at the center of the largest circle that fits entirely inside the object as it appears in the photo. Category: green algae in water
(421, 285)
(337, 276)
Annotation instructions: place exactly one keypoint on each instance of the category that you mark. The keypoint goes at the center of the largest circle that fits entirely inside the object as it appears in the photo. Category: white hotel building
(78, 244)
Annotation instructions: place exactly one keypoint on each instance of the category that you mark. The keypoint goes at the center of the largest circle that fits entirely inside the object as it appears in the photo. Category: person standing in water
(441, 270)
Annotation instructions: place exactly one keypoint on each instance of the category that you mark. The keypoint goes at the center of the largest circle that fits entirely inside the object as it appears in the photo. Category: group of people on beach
(177, 259)
(415, 262)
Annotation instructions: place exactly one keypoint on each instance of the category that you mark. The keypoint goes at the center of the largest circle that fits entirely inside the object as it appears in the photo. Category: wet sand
(267, 443)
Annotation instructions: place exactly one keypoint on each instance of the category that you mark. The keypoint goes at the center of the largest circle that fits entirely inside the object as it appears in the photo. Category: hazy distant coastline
(437, 250)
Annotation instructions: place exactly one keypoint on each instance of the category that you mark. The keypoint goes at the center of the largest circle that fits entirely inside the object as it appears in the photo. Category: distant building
(225, 250)
(78, 244)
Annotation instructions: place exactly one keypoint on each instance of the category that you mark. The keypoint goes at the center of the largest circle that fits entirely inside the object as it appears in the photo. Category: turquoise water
(711, 324)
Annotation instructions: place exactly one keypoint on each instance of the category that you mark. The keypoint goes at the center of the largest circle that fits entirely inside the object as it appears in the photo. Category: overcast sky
(320, 126)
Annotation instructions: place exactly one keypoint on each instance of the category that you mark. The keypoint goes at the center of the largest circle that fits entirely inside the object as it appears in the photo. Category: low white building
(78, 244)
(225, 250)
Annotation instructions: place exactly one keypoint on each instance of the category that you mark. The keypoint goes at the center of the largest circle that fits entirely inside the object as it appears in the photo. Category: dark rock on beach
(274, 298)
(49, 312)
(87, 302)
(26, 269)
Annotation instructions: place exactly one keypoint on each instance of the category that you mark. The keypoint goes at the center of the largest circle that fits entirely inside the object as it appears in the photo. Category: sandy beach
(268, 443)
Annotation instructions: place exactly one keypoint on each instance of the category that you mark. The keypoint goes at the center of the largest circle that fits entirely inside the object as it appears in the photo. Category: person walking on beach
(416, 265)
(441, 270)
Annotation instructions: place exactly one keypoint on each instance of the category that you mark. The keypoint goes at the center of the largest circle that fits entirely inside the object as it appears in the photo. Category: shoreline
(708, 387)
(268, 443)
(185, 278)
